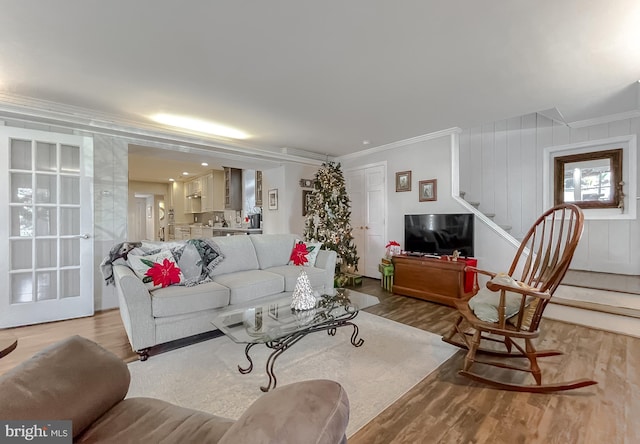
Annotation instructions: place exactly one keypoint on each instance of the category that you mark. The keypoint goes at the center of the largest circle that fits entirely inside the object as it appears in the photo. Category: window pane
(69, 283)
(70, 190)
(22, 221)
(69, 252)
(47, 285)
(46, 221)
(45, 188)
(69, 221)
(21, 288)
(20, 154)
(69, 159)
(46, 253)
(46, 159)
(21, 257)
(21, 188)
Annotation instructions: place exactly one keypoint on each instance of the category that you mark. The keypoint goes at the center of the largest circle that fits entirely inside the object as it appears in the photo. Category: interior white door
(367, 190)
(354, 184)
(47, 227)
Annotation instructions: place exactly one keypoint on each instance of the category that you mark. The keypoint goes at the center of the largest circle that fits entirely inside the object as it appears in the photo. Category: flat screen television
(439, 234)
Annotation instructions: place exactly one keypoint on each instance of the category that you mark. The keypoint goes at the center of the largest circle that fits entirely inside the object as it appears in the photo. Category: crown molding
(77, 118)
(401, 143)
(605, 119)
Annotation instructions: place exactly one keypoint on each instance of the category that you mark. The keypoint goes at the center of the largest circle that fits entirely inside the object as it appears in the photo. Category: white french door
(367, 191)
(47, 226)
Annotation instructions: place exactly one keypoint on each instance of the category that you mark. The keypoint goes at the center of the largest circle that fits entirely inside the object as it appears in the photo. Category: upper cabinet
(258, 188)
(212, 191)
(232, 189)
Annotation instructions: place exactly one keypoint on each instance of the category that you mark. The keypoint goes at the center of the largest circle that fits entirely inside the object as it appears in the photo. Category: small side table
(8, 343)
(387, 276)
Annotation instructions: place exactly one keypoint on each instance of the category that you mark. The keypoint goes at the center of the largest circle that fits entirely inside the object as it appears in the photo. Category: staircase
(491, 216)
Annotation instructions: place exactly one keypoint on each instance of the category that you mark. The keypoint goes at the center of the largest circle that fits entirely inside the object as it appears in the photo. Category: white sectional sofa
(254, 267)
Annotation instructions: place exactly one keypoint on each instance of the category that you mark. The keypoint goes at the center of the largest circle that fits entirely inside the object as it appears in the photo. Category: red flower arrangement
(165, 273)
(391, 244)
(299, 254)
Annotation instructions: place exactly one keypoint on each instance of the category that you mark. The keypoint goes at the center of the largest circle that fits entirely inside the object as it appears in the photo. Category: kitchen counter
(196, 231)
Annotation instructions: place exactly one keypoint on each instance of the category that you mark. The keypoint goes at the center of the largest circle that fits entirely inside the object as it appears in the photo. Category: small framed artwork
(428, 190)
(273, 199)
(403, 181)
(306, 201)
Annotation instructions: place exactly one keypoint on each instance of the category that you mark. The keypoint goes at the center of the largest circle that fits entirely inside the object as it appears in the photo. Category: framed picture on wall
(428, 190)
(403, 181)
(273, 199)
(306, 201)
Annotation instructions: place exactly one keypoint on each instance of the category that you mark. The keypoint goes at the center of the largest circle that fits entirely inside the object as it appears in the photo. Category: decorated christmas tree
(329, 214)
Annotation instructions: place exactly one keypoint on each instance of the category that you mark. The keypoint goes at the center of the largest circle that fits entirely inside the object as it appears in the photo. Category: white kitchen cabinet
(207, 190)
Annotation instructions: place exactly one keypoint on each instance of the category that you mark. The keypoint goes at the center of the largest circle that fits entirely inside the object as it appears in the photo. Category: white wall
(145, 188)
(286, 179)
(427, 159)
(501, 168)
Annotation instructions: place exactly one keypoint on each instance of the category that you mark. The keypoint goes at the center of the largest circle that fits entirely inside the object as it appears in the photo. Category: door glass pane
(45, 188)
(47, 286)
(46, 157)
(46, 253)
(69, 221)
(21, 288)
(70, 190)
(21, 257)
(69, 283)
(21, 221)
(69, 252)
(20, 154)
(21, 188)
(69, 159)
(46, 221)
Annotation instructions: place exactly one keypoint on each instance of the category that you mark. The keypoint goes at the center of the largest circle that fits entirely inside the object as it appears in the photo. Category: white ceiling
(323, 76)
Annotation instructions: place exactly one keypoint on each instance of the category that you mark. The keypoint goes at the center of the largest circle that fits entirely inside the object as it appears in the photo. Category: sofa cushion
(249, 285)
(290, 273)
(239, 255)
(315, 411)
(176, 300)
(146, 420)
(273, 249)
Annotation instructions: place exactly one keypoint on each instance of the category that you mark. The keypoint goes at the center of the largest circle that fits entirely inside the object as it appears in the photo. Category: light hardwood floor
(447, 408)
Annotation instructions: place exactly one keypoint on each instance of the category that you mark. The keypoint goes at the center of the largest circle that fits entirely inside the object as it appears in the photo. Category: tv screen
(439, 234)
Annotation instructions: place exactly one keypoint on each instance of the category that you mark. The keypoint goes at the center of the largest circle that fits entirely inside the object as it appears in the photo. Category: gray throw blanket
(119, 251)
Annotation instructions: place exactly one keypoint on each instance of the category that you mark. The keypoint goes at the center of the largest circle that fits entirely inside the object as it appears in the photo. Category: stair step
(506, 227)
(474, 204)
(490, 215)
(594, 306)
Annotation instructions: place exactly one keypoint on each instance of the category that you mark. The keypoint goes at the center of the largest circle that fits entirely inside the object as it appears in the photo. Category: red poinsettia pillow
(305, 253)
(299, 254)
(156, 270)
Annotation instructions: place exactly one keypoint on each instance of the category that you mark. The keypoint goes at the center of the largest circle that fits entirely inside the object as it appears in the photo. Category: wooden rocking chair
(509, 312)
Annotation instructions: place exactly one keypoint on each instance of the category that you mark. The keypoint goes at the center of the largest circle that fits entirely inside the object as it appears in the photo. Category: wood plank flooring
(445, 407)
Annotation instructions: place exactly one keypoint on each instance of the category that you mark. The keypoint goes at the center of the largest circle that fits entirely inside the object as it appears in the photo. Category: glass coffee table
(273, 323)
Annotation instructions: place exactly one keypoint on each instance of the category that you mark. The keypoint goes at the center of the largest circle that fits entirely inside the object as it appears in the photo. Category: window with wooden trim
(589, 180)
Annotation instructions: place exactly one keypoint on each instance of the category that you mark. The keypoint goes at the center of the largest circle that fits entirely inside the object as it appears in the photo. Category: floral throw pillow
(156, 270)
(305, 253)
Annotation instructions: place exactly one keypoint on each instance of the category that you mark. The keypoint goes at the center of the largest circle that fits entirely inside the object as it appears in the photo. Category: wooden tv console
(428, 278)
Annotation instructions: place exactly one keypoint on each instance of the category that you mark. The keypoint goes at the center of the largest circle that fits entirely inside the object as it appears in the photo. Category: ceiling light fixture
(171, 179)
(200, 126)
(204, 164)
(366, 142)
(185, 173)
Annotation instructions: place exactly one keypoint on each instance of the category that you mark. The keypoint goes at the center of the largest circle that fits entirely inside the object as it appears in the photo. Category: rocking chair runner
(509, 312)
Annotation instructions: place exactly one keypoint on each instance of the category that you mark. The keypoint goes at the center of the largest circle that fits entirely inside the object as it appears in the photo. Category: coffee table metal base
(282, 344)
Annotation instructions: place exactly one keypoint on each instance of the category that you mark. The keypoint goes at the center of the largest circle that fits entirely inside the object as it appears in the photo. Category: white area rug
(204, 376)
